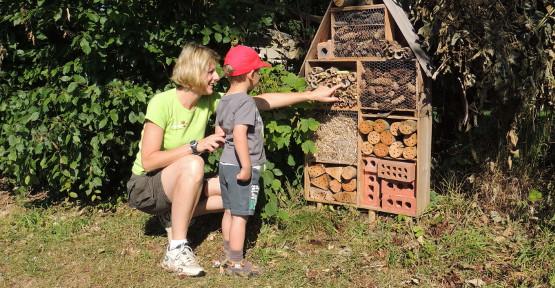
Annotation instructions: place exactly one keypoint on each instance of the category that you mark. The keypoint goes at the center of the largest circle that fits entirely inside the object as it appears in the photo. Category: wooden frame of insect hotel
(373, 146)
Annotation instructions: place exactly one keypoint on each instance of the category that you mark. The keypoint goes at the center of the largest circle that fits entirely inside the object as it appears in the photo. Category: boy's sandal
(222, 261)
(243, 269)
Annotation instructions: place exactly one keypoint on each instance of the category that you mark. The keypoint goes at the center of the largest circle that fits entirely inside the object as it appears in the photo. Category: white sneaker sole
(182, 273)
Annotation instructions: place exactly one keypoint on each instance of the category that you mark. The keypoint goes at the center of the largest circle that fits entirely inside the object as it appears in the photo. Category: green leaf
(205, 40)
(276, 184)
(218, 37)
(73, 195)
(65, 78)
(85, 46)
(277, 172)
(313, 124)
(72, 86)
(103, 123)
(308, 147)
(291, 161)
(534, 195)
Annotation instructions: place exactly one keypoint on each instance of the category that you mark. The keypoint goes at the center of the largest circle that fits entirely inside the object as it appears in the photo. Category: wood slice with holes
(409, 153)
(345, 197)
(381, 150)
(335, 186)
(394, 128)
(396, 149)
(335, 172)
(316, 170)
(349, 172)
(317, 194)
(374, 137)
(410, 140)
(407, 127)
(367, 148)
(386, 137)
(366, 126)
(322, 182)
(380, 125)
(350, 185)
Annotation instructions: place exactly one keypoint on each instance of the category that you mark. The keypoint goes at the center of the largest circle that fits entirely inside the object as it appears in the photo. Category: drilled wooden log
(350, 185)
(366, 126)
(316, 170)
(345, 197)
(374, 137)
(335, 172)
(410, 140)
(322, 181)
(335, 186)
(381, 150)
(407, 127)
(394, 128)
(380, 125)
(396, 149)
(386, 137)
(349, 172)
(409, 153)
(367, 148)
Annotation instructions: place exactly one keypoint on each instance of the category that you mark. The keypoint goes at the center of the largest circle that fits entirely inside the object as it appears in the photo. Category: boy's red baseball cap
(243, 59)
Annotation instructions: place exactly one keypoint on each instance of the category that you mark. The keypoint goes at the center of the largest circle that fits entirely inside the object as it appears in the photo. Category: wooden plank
(424, 151)
(389, 26)
(358, 7)
(360, 167)
(399, 117)
(409, 34)
(322, 35)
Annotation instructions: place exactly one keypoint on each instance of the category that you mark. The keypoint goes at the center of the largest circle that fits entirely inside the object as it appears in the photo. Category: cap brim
(263, 64)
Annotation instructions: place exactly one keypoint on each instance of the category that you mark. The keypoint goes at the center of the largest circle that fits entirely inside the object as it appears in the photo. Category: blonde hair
(192, 64)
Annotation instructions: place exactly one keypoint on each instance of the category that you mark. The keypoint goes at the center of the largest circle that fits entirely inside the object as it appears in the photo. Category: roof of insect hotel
(401, 24)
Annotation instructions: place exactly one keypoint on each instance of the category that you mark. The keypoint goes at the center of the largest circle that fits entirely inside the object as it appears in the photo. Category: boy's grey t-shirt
(235, 109)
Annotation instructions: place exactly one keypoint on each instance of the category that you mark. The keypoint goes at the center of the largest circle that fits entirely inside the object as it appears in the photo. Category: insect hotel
(373, 146)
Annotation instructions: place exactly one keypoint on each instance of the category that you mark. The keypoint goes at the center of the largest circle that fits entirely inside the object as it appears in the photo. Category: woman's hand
(324, 94)
(211, 142)
(244, 174)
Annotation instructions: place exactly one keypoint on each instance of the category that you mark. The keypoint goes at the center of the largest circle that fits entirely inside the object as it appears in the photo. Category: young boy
(242, 157)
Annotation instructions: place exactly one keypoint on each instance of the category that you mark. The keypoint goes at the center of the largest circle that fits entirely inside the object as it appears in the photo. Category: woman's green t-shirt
(180, 125)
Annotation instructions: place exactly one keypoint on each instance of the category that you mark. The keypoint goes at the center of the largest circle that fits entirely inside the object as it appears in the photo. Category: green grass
(449, 246)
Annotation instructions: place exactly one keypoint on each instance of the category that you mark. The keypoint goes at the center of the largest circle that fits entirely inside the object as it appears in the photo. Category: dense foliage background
(75, 78)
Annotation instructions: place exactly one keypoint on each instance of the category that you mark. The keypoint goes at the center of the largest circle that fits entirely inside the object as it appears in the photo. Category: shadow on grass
(203, 226)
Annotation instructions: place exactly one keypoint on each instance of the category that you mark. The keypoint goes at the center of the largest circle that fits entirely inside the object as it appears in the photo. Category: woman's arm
(153, 158)
(269, 101)
(242, 150)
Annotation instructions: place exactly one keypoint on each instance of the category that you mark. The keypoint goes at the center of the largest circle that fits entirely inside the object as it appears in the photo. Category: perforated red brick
(399, 205)
(396, 188)
(396, 170)
(371, 164)
(370, 194)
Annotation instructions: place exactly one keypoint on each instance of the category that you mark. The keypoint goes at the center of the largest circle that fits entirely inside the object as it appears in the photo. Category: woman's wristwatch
(193, 144)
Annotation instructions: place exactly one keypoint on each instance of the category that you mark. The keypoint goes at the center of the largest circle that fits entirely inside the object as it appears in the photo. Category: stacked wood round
(389, 138)
(335, 183)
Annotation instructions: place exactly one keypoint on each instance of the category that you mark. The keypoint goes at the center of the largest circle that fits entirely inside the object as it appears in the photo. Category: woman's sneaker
(243, 269)
(182, 261)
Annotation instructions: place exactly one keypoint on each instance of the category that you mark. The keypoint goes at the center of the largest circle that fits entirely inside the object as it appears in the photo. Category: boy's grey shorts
(239, 197)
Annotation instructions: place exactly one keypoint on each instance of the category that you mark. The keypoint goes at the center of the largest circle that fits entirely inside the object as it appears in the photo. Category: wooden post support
(372, 217)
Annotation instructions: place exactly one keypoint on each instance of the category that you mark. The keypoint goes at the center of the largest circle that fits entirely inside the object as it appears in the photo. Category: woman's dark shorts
(146, 193)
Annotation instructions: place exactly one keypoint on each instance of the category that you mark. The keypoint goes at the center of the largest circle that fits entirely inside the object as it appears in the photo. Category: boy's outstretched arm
(242, 149)
(268, 101)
